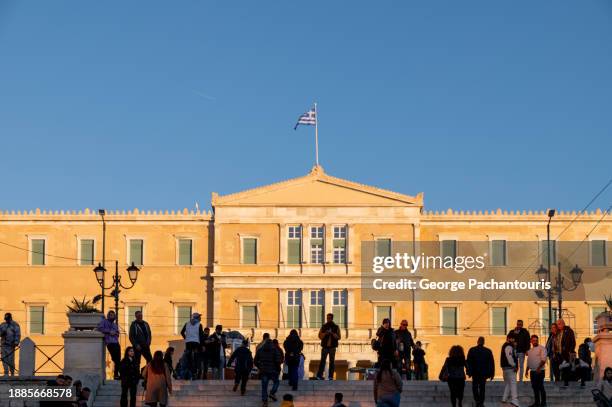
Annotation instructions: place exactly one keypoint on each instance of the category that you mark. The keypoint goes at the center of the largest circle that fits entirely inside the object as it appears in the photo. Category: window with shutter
(383, 247)
(382, 312)
(316, 309)
(499, 321)
(598, 252)
(294, 308)
(38, 252)
(37, 319)
(183, 315)
(449, 321)
(448, 248)
(294, 251)
(498, 252)
(136, 251)
(339, 307)
(185, 252)
(131, 313)
(249, 316)
(249, 250)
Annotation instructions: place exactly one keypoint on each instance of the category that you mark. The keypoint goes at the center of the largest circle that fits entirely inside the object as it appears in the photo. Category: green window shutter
(136, 248)
(185, 252)
(383, 247)
(339, 312)
(316, 316)
(339, 243)
(294, 251)
(382, 312)
(37, 320)
(449, 321)
(293, 316)
(498, 321)
(249, 251)
(87, 252)
(249, 316)
(316, 242)
(598, 252)
(132, 309)
(183, 315)
(448, 248)
(38, 252)
(498, 252)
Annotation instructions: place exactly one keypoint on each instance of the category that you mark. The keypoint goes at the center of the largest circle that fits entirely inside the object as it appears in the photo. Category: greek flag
(309, 118)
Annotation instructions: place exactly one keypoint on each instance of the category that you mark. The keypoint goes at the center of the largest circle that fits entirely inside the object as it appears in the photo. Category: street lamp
(576, 276)
(102, 213)
(551, 214)
(132, 270)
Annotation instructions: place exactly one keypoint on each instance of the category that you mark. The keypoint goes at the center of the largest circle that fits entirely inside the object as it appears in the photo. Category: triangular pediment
(317, 189)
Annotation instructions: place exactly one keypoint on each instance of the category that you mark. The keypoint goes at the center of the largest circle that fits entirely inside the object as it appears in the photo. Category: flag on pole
(309, 118)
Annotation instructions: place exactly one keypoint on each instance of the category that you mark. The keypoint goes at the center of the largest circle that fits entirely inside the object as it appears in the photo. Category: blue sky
(151, 104)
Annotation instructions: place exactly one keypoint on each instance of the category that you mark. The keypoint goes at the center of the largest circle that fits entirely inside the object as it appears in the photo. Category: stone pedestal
(603, 344)
(27, 357)
(84, 357)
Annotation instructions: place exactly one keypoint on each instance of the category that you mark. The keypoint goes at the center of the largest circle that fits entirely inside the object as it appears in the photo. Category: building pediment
(317, 189)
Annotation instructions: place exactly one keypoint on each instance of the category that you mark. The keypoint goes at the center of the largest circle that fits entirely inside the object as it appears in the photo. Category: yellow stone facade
(220, 285)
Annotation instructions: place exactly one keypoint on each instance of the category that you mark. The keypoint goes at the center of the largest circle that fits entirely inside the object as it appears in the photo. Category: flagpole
(316, 134)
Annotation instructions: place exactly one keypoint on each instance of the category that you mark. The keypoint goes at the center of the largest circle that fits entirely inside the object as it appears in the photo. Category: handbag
(443, 376)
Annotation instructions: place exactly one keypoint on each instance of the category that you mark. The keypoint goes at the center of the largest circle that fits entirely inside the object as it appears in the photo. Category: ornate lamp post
(132, 275)
(559, 287)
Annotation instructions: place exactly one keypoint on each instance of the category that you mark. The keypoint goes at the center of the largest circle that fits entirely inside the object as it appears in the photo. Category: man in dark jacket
(267, 360)
(329, 334)
(480, 367)
(567, 340)
(405, 343)
(130, 376)
(293, 349)
(522, 343)
(387, 347)
(244, 365)
(140, 338)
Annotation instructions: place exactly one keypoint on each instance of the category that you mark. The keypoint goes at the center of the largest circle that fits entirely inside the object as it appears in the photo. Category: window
(449, 321)
(37, 319)
(545, 321)
(339, 307)
(448, 248)
(294, 246)
(131, 313)
(598, 253)
(317, 232)
(544, 251)
(498, 252)
(249, 250)
(136, 252)
(183, 315)
(382, 312)
(86, 255)
(185, 252)
(499, 325)
(248, 316)
(294, 309)
(316, 244)
(317, 304)
(339, 245)
(595, 311)
(37, 248)
(383, 247)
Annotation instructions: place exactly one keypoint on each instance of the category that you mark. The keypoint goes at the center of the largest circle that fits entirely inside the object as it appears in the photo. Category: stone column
(603, 344)
(84, 358)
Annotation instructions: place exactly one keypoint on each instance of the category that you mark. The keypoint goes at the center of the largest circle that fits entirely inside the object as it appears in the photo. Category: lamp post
(102, 213)
(551, 214)
(132, 274)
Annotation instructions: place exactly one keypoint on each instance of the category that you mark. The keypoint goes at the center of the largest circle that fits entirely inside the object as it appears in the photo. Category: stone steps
(356, 394)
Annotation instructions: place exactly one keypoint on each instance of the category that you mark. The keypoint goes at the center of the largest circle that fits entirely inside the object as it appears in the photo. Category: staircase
(356, 394)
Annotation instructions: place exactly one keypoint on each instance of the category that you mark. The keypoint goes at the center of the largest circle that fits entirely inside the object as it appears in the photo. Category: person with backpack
(387, 385)
(453, 372)
(268, 360)
(293, 349)
(243, 358)
(192, 332)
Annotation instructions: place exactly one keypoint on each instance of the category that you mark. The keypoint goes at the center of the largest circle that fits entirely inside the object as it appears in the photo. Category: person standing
(420, 367)
(553, 351)
(522, 339)
(453, 372)
(158, 381)
(109, 327)
(204, 354)
(509, 362)
(192, 332)
(216, 352)
(480, 367)
(329, 334)
(387, 346)
(405, 344)
(536, 360)
(566, 339)
(130, 376)
(244, 364)
(387, 386)
(140, 338)
(10, 336)
(293, 349)
(268, 360)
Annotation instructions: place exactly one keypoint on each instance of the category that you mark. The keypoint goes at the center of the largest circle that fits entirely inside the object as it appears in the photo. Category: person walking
(293, 349)
(522, 341)
(109, 327)
(480, 367)
(10, 336)
(387, 346)
(158, 382)
(192, 332)
(509, 362)
(387, 386)
(130, 376)
(553, 351)
(217, 343)
(268, 360)
(420, 367)
(453, 372)
(405, 344)
(140, 338)
(244, 364)
(536, 360)
(329, 334)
